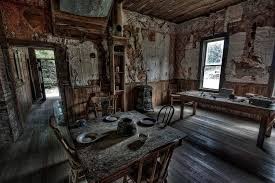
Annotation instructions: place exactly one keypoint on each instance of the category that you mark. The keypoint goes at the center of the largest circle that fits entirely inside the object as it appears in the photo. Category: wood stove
(144, 98)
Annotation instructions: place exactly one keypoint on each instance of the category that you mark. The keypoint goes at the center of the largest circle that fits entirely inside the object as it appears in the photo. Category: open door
(41, 80)
(45, 59)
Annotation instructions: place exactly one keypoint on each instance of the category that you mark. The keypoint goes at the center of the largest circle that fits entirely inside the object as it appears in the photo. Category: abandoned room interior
(103, 91)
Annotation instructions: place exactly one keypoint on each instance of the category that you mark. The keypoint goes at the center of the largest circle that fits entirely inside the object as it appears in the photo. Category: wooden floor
(219, 148)
(37, 156)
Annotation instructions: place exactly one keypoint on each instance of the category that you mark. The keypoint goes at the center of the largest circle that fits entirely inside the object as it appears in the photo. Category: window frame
(202, 58)
(271, 83)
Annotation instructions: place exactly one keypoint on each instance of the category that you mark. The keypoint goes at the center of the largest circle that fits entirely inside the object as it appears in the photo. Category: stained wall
(251, 29)
(150, 51)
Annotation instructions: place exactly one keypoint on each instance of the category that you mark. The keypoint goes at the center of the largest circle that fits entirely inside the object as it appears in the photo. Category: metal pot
(126, 127)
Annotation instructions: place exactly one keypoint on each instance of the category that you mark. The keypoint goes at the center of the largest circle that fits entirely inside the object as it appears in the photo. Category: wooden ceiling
(177, 10)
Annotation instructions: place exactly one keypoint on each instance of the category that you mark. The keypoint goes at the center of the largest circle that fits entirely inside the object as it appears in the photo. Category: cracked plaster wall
(251, 29)
(151, 43)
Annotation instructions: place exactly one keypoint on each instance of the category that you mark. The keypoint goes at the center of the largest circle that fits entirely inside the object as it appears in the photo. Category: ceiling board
(177, 10)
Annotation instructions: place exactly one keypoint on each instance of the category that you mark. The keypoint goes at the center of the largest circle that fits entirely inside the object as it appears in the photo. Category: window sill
(209, 90)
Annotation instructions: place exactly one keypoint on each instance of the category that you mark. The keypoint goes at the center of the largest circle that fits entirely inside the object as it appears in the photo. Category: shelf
(118, 69)
(119, 91)
(118, 40)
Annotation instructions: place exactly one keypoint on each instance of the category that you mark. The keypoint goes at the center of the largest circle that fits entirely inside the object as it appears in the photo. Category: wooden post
(195, 104)
(181, 109)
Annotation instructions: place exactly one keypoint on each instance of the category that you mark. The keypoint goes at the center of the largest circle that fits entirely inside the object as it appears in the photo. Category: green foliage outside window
(44, 54)
(215, 54)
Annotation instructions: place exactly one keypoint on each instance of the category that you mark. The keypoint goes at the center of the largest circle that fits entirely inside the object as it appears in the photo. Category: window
(212, 61)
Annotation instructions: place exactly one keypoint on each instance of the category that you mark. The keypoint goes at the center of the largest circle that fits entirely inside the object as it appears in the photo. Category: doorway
(45, 59)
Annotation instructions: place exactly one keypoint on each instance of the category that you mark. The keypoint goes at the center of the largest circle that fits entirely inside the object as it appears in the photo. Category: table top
(103, 162)
(219, 99)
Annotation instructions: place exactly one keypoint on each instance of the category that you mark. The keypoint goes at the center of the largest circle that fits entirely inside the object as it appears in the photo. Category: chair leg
(125, 179)
(71, 177)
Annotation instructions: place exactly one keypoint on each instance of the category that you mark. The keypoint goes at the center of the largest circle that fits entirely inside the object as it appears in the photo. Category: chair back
(105, 104)
(165, 115)
(155, 164)
(173, 88)
(70, 151)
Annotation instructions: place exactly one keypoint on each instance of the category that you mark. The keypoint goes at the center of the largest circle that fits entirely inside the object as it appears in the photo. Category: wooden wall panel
(76, 99)
(23, 87)
(243, 88)
(240, 88)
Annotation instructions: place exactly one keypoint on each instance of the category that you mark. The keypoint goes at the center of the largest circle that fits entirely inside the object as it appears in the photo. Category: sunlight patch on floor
(53, 92)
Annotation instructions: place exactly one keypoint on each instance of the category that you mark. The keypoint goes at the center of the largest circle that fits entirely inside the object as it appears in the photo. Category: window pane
(214, 53)
(211, 79)
(46, 54)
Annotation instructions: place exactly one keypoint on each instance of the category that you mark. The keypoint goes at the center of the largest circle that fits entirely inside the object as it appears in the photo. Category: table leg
(269, 127)
(171, 100)
(262, 131)
(181, 109)
(195, 108)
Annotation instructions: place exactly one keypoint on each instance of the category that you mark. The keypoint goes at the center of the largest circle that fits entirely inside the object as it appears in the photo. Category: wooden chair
(76, 174)
(107, 105)
(153, 168)
(166, 117)
(173, 90)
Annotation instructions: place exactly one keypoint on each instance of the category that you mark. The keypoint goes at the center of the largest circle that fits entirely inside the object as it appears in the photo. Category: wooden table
(108, 164)
(267, 114)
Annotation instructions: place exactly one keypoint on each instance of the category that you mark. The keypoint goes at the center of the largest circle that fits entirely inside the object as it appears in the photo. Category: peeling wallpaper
(250, 26)
(149, 48)
(83, 62)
